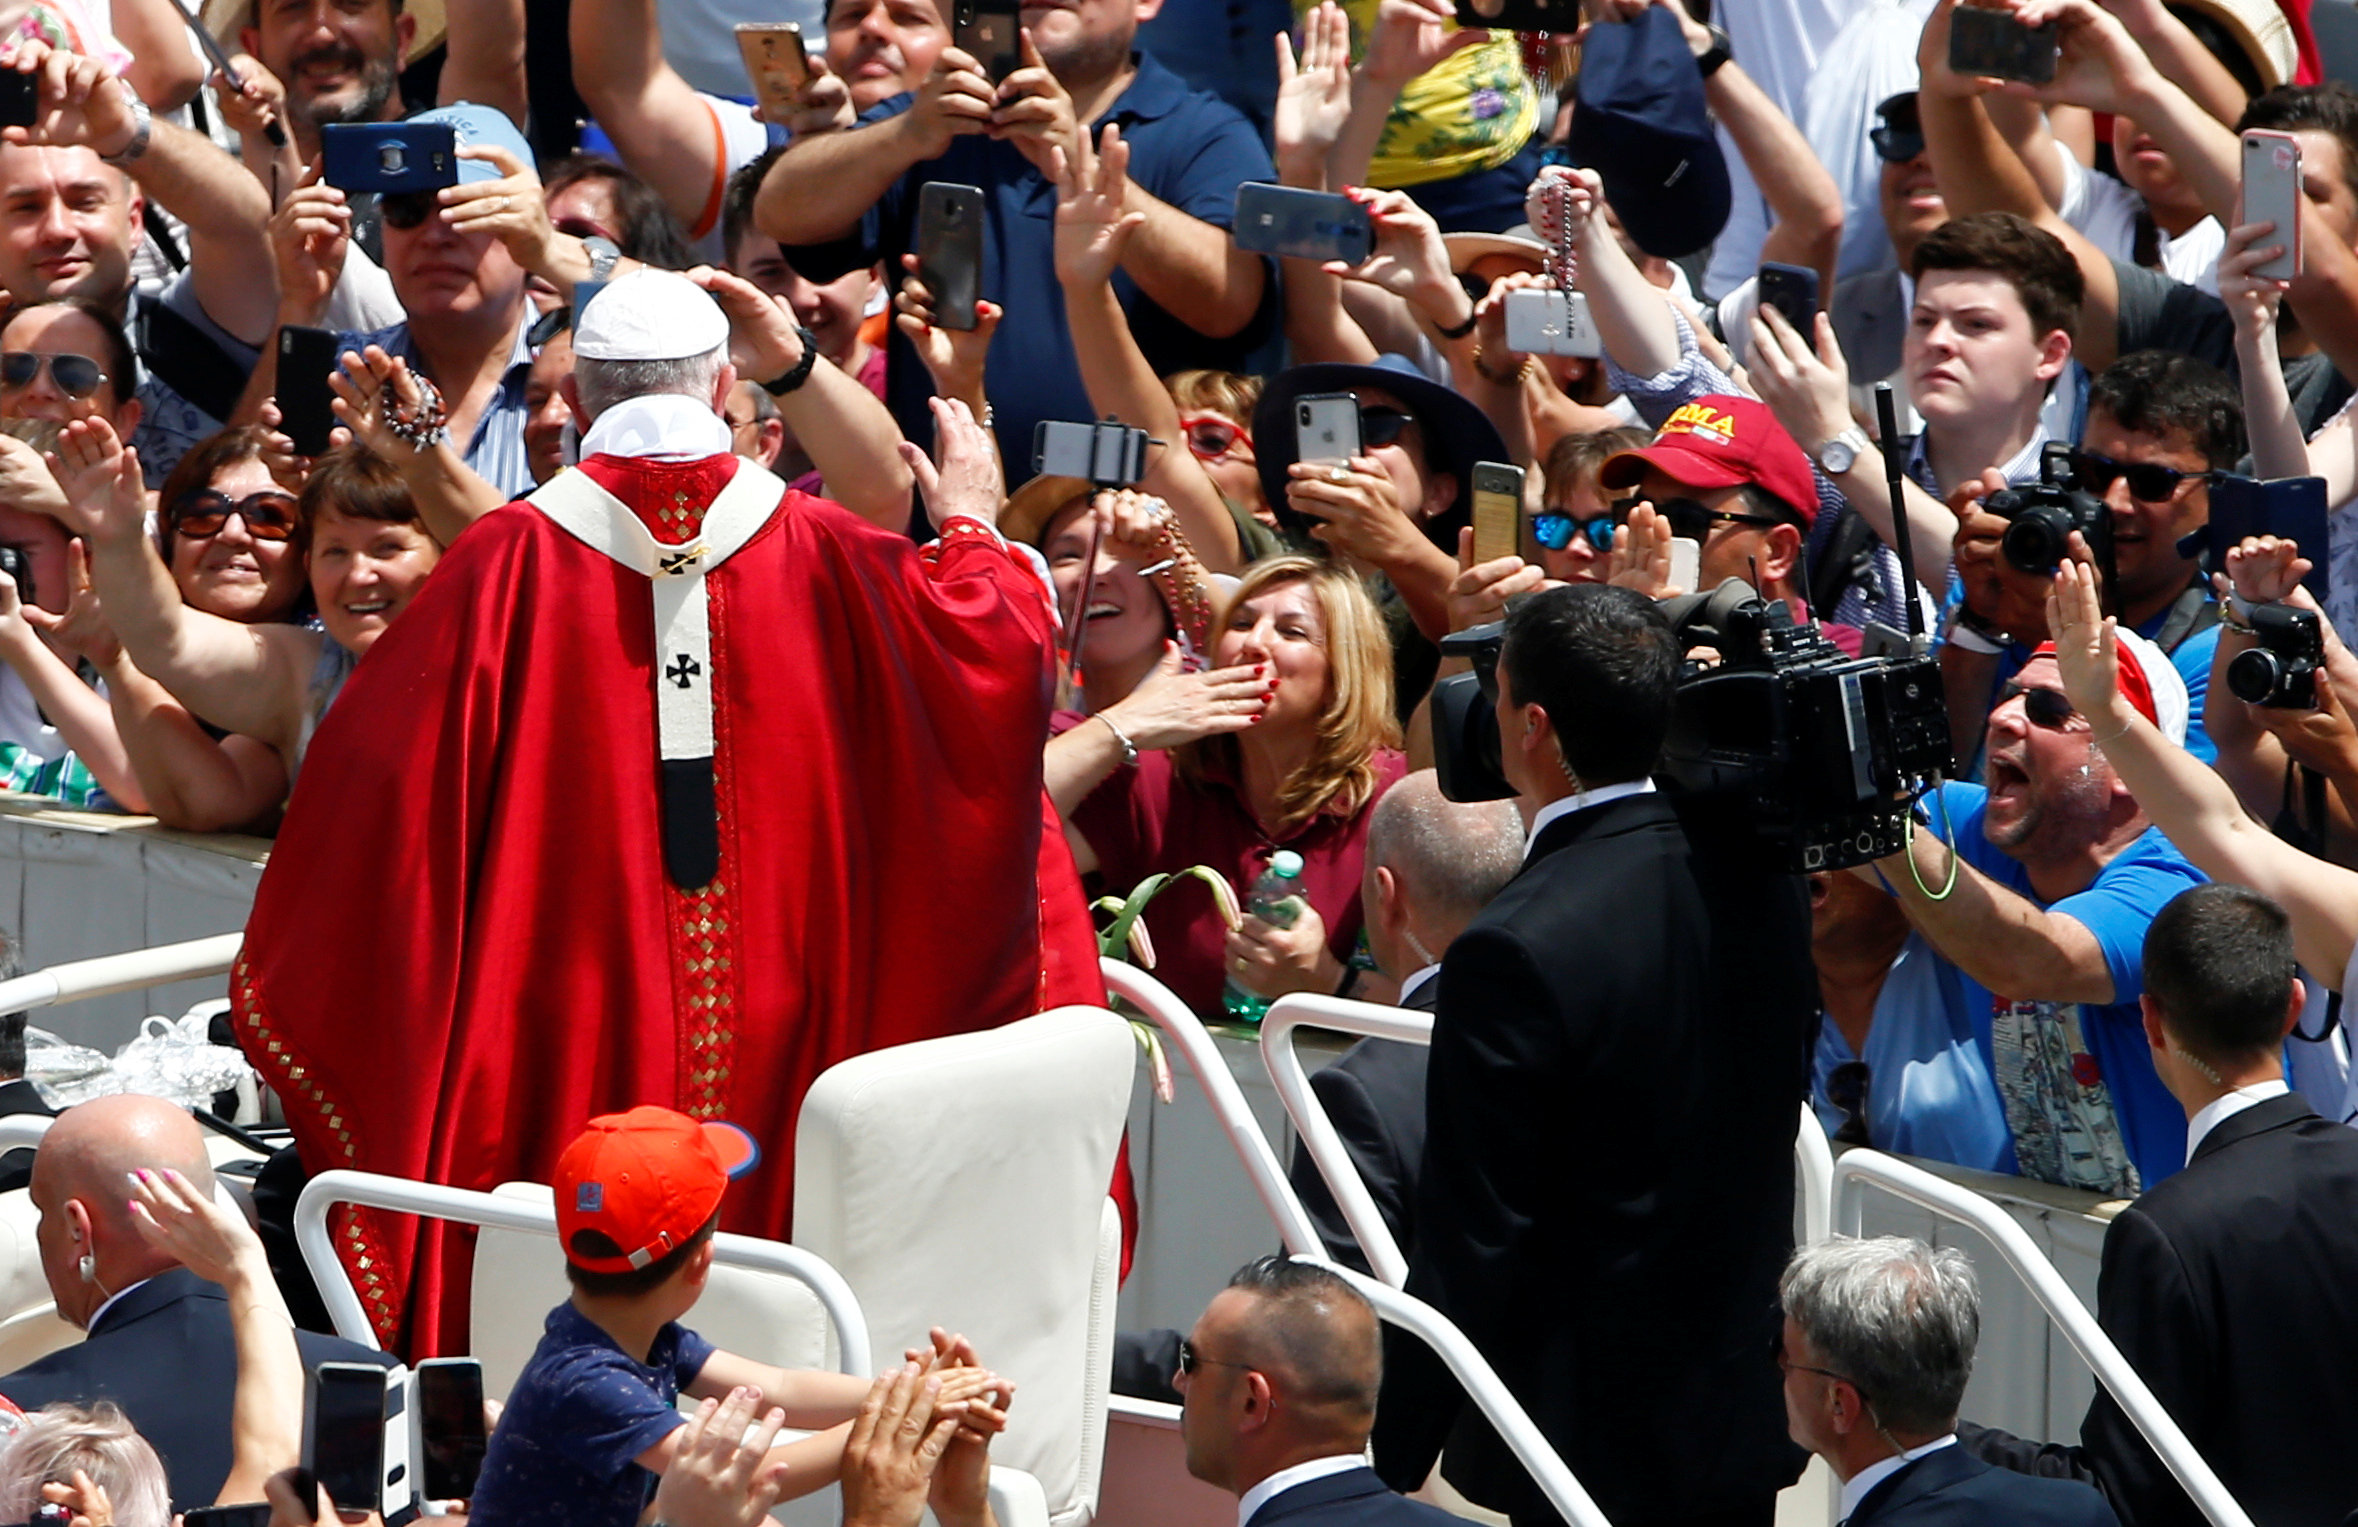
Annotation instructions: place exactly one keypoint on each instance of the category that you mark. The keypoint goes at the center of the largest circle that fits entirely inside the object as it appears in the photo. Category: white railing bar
(433, 1201)
(1193, 1041)
(1319, 1138)
(1916, 1186)
(23, 1131)
(1813, 1159)
(129, 971)
(1481, 1383)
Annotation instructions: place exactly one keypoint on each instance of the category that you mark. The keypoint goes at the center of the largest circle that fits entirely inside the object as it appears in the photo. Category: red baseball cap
(1719, 441)
(647, 1180)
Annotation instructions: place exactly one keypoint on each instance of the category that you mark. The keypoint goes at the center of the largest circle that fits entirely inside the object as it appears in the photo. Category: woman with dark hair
(591, 196)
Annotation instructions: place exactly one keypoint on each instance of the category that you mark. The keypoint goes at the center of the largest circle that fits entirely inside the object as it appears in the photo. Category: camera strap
(2194, 613)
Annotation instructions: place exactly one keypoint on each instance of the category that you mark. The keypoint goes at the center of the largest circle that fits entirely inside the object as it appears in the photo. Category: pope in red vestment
(468, 941)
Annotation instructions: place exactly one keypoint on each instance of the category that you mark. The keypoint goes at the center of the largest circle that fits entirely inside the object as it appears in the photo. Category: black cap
(1641, 123)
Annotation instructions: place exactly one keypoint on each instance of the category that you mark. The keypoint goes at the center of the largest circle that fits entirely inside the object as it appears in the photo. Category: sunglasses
(1554, 530)
(269, 515)
(2148, 482)
(1211, 438)
(405, 209)
(77, 376)
(1846, 1089)
(1896, 145)
(1382, 426)
(1190, 1359)
(2046, 708)
(1690, 519)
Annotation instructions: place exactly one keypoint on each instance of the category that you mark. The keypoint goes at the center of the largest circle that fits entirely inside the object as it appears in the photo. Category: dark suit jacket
(1952, 1488)
(1620, 1052)
(1353, 1498)
(19, 1096)
(1375, 1095)
(164, 1352)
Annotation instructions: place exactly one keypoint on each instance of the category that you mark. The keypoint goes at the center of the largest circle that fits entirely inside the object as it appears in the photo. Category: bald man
(159, 1342)
(1432, 864)
(1278, 1386)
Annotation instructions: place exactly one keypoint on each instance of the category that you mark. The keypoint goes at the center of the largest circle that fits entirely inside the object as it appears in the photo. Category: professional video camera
(1818, 753)
(2043, 515)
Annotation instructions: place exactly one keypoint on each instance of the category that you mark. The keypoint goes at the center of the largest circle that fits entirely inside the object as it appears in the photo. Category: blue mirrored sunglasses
(1555, 531)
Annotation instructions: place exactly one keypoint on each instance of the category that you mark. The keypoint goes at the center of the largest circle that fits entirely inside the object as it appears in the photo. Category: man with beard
(2040, 896)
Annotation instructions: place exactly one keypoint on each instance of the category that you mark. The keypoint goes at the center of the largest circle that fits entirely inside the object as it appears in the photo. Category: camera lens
(1303, 413)
(2037, 540)
(2254, 675)
(391, 158)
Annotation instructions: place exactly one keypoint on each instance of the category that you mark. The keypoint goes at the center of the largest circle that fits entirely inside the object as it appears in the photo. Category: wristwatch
(1708, 61)
(603, 256)
(778, 387)
(143, 127)
(1838, 455)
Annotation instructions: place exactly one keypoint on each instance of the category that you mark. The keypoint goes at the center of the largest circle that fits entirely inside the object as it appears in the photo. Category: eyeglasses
(1896, 145)
(1382, 426)
(1554, 530)
(1846, 1089)
(1776, 1352)
(405, 209)
(1690, 519)
(2149, 481)
(2047, 708)
(77, 376)
(1211, 437)
(269, 516)
(1190, 1359)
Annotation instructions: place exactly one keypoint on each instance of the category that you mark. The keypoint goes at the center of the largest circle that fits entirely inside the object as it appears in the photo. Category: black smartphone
(389, 157)
(255, 1515)
(1110, 454)
(1793, 291)
(306, 358)
(991, 33)
(2292, 508)
(344, 1433)
(20, 98)
(1521, 15)
(949, 250)
(17, 563)
(451, 1438)
(1987, 44)
(1304, 225)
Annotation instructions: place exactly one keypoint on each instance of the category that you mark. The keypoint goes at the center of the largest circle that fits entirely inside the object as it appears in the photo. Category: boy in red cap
(590, 1423)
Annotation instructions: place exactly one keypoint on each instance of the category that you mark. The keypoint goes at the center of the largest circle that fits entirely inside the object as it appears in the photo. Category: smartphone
(40, 434)
(389, 157)
(1987, 44)
(1110, 454)
(1302, 225)
(1686, 563)
(255, 1515)
(451, 1437)
(1498, 511)
(20, 98)
(1793, 291)
(1561, 16)
(1326, 427)
(949, 250)
(17, 563)
(775, 62)
(1543, 321)
(2291, 508)
(991, 33)
(306, 357)
(2272, 194)
(344, 1433)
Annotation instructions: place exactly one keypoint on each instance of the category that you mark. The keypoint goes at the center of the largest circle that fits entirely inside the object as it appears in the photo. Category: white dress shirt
(1580, 800)
(1285, 1479)
(2226, 1106)
(1855, 1488)
(1416, 983)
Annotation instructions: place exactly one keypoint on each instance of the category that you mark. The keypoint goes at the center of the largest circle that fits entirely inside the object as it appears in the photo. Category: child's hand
(716, 1477)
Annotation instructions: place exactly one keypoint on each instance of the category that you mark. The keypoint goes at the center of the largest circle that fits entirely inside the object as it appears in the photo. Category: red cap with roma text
(1719, 441)
(647, 1180)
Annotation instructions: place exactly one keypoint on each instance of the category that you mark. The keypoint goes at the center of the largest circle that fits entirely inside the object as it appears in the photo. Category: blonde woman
(1177, 774)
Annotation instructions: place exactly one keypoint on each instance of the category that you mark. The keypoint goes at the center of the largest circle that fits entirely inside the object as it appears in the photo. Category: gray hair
(602, 384)
(1896, 1318)
(101, 1443)
(1454, 858)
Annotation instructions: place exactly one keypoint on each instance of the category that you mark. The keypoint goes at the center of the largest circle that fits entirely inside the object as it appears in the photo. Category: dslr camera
(2042, 516)
(2281, 671)
(1816, 755)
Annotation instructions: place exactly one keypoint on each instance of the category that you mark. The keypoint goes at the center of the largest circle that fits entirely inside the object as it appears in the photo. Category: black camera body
(1817, 754)
(2042, 516)
(2281, 671)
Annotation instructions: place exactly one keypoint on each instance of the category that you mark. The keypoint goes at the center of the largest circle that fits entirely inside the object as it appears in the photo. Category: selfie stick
(273, 129)
(1887, 423)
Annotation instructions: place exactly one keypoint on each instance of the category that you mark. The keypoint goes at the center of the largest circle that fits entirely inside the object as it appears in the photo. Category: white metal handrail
(129, 971)
(23, 1131)
(464, 1206)
(1480, 1381)
(1813, 1157)
(1919, 1187)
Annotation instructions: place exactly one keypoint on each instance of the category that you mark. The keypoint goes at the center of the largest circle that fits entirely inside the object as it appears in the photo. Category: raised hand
(1034, 112)
(717, 1477)
(1641, 555)
(1171, 706)
(2252, 300)
(1358, 507)
(83, 630)
(967, 483)
(1411, 37)
(81, 101)
(896, 1443)
(2267, 570)
(1479, 593)
(764, 339)
(510, 208)
(1092, 225)
(2085, 646)
(311, 233)
(955, 358)
(1808, 390)
(822, 103)
(368, 381)
(98, 478)
(1409, 259)
(258, 99)
(957, 98)
(1313, 94)
(175, 1218)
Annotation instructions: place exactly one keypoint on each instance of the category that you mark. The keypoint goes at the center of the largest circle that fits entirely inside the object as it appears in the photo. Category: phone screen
(450, 1427)
(344, 1433)
(256, 1515)
(1498, 511)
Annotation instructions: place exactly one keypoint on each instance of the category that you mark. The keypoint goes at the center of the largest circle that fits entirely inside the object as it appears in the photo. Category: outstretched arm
(661, 127)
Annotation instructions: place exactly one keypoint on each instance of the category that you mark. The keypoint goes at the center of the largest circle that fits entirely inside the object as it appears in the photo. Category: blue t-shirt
(2083, 1105)
(581, 1412)
(1929, 1091)
(1186, 149)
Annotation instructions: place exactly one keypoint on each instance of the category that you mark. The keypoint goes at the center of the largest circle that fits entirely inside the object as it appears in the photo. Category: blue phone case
(389, 157)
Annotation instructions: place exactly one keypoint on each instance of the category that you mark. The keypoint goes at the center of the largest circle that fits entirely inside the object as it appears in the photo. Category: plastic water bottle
(1275, 898)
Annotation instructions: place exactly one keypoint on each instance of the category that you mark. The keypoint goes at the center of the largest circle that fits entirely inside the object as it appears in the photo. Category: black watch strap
(1460, 331)
(1707, 63)
(778, 387)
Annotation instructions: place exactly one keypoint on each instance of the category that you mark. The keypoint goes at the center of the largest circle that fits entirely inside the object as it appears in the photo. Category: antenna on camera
(1903, 542)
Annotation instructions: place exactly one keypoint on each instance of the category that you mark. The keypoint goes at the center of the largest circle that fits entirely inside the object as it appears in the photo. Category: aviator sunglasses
(269, 515)
(2049, 709)
(2149, 482)
(77, 376)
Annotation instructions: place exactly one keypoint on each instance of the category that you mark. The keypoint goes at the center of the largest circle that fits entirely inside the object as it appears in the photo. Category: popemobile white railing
(1860, 1168)
(111, 973)
(1187, 1035)
(466, 1207)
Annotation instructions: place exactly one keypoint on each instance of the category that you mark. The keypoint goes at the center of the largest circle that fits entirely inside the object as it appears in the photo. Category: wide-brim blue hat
(1640, 122)
(1456, 433)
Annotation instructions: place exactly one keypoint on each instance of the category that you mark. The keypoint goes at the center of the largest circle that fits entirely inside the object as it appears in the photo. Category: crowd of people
(724, 353)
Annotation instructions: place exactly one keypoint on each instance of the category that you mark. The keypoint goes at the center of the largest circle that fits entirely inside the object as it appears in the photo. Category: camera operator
(1666, 1058)
(2040, 896)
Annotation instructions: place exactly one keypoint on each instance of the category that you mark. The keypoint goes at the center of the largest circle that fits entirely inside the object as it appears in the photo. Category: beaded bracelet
(420, 426)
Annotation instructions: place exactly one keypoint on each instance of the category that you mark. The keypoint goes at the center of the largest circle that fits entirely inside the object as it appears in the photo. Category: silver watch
(1837, 455)
(603, 256)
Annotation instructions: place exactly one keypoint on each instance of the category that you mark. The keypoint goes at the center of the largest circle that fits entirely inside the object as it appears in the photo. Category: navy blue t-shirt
(581, 1412)
(1186, 149)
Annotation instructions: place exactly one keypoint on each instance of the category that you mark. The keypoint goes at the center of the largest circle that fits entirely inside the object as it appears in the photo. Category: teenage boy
(590, 1424)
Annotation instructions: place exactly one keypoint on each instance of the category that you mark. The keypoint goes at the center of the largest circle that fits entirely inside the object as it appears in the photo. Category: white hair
(98, 1441)
(602, 384)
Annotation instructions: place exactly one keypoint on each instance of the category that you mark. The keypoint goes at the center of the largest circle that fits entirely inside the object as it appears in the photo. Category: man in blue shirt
(1193, 298)
(2043, 906)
